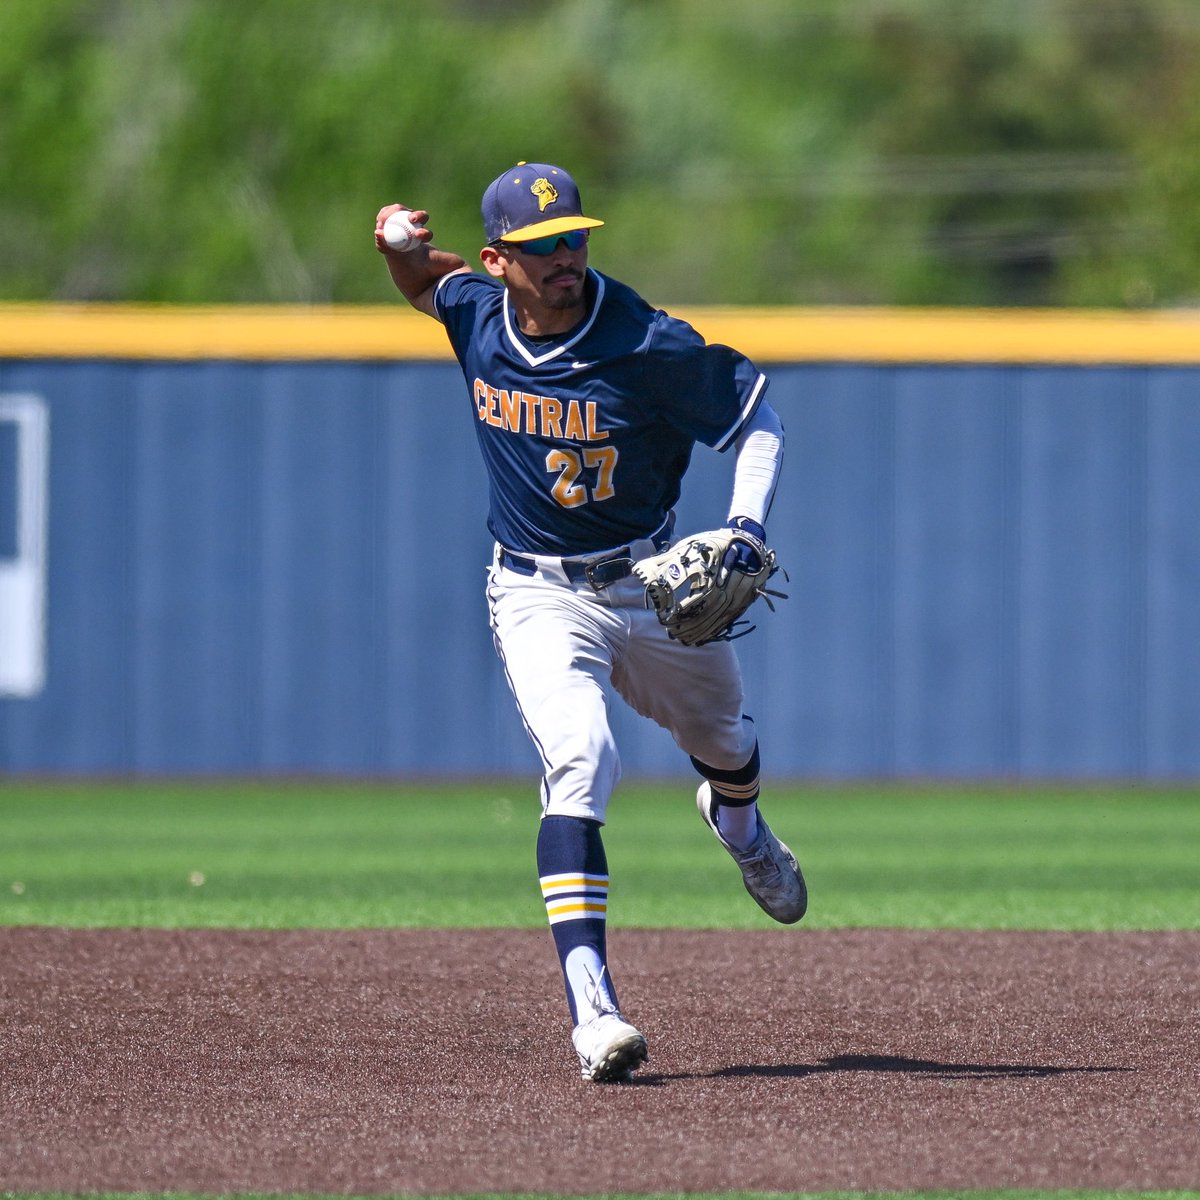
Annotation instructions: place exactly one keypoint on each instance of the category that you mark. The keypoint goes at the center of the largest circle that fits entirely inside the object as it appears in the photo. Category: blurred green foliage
(1007, 152)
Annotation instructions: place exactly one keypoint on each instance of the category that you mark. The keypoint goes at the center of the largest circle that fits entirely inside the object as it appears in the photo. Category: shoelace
(762, 864)
(598, 999)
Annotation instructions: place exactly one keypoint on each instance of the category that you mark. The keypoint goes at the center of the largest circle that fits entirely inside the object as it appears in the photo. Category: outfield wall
(243, 541)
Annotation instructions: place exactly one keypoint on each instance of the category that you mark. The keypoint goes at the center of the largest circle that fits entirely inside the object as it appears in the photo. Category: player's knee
(743, 775)
(581, 782)
(729, 746)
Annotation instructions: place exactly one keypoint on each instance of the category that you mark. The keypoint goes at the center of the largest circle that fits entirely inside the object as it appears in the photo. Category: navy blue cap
(532, 200)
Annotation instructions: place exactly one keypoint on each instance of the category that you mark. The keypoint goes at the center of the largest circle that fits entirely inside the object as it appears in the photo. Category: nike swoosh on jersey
(579, 366)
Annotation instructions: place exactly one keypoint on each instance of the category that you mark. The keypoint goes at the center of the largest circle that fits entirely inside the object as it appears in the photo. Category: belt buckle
(607, 571)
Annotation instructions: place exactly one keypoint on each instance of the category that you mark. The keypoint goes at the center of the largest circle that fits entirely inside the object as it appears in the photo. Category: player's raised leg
(695, 692)
(728, 803)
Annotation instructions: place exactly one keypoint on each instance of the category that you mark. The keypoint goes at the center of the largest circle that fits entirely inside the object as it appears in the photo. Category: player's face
(551, 282)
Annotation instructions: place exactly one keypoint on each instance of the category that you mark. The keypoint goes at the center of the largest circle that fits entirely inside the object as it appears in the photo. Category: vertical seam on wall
(1140, 542)
(1011, 583)
(886, 582)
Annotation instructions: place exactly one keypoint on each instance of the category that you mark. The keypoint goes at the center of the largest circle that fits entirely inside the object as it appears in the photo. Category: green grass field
(337, 855)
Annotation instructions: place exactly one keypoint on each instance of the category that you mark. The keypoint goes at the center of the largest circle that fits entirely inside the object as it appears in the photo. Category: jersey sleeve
(456, 301)
(709, 391)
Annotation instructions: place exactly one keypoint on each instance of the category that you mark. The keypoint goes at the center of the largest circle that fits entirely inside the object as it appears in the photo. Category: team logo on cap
(545, 191)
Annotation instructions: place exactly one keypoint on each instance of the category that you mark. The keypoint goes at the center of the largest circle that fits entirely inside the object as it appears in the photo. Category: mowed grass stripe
(331, 855)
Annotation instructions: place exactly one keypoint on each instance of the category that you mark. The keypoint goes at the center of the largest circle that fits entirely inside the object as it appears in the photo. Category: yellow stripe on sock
(557, 883)
(558, 910)
(734, 791)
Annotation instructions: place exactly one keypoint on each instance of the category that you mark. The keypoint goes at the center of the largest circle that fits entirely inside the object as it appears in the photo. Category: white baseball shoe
(769, 869)
(609, 1048)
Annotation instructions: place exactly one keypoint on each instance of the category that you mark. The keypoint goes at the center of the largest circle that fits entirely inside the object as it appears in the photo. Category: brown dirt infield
(416, 1061)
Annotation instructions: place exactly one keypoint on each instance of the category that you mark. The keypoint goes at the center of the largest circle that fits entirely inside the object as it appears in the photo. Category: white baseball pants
(563, 647)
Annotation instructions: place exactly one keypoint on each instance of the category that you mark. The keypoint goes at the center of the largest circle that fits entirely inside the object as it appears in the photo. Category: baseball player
(587, 405)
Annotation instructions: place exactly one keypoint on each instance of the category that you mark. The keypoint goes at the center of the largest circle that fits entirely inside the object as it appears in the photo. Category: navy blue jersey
(586, 437)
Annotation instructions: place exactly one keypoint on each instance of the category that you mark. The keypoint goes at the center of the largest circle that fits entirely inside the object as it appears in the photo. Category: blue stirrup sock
(573, 872)
(736, 796)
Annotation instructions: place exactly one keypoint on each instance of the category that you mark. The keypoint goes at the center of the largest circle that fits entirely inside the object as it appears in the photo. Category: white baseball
(400, 233)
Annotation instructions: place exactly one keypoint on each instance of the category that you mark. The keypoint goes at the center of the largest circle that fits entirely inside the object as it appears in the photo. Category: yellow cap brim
(546, 228)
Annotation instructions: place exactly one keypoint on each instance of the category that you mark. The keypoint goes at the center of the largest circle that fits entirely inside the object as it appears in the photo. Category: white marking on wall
(23, 572)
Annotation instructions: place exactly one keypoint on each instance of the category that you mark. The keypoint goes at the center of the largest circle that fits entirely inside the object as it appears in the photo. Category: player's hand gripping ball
(400, 232)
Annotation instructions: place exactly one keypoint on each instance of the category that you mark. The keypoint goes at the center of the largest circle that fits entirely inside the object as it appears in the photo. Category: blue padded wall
(994, 573)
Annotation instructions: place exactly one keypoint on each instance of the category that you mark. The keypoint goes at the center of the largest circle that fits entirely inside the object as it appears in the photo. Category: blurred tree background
(900, 152)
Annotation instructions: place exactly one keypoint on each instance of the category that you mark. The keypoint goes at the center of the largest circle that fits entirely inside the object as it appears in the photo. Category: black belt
(599, 572)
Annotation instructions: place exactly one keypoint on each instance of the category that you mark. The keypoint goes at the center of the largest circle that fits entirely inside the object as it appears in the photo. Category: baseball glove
(702, 585)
